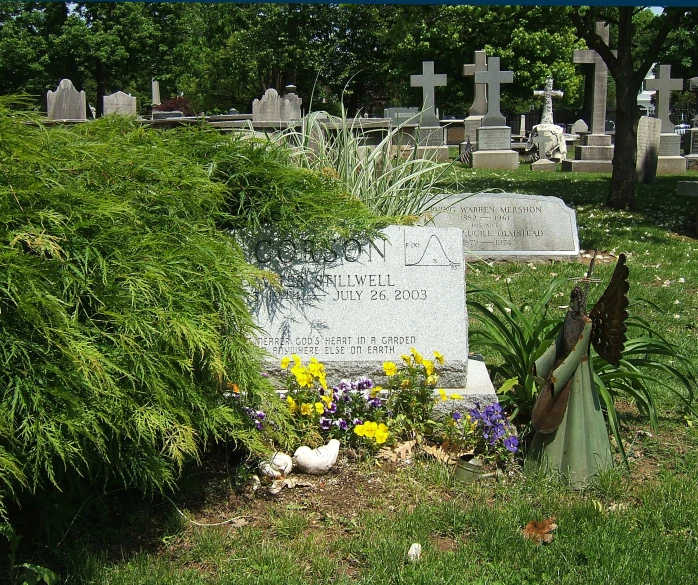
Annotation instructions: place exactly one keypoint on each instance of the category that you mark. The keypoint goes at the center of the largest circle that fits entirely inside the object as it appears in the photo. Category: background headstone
(119, 103)
(494, 137)
(428, 81)
(510, 226)
(595, 154)
(274, 108)
(648, 132)
(66, 103)
(155, 92)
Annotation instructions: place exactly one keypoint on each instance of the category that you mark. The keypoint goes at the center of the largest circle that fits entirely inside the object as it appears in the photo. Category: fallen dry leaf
(398, 453)
(439, 454)
(540, 532)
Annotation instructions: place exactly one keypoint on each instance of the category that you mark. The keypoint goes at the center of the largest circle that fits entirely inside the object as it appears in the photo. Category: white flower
(682, 280)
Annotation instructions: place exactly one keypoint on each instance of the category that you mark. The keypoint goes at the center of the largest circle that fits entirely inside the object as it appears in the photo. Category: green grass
(633, 526)
(628, 528)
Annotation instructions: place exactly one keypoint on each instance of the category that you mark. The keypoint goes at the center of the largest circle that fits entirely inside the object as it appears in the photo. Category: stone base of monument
(507, 160)
(478, 390)
(471, 124)
(692, 162)
(430, 136)
(671, 165)
(435, 153)
(543, 164)
(588, 166)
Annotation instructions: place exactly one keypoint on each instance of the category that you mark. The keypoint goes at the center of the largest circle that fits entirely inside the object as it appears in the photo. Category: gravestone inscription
(356, 304)
(510, 226)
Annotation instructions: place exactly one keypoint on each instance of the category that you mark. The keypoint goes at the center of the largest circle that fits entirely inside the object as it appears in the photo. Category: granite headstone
(510, 226)
(356, 304)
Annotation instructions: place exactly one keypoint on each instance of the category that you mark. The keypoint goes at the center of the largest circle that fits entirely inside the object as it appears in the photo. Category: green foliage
(123, 310)
(24, 573)
(384, 179)
(521, 334)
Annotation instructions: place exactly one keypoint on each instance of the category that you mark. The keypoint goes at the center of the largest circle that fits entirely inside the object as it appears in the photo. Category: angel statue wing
(609, 315)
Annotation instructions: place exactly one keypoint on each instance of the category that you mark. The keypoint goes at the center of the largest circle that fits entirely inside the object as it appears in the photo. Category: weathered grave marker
(274, 108)
(119, 103)
(648, 135)
(66, 103)
(510, 226)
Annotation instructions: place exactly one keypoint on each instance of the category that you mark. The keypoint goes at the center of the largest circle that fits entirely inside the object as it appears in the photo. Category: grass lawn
(356, 524)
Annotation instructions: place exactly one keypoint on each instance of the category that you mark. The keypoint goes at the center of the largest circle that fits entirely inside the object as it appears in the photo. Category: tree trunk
(622, 193)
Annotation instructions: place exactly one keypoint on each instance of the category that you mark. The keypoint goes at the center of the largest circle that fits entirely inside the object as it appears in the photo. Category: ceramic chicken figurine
(571, 437)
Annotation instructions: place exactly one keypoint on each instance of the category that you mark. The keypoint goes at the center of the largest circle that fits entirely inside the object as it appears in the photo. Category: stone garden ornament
(571, 437)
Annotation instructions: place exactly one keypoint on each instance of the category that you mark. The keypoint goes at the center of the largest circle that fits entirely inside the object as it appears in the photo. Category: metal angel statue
(571, 437)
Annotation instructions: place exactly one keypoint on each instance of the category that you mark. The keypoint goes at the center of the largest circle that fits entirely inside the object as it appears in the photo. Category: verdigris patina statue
(571, 437)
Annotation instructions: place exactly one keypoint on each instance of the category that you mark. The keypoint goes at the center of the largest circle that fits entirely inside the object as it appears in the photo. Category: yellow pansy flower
(389, 368)
(406, 358)
(296, 359)
(381, 434)
(323, 380)
(375, 391)
(442, 393)
(432, 380)
(285, 361)
(405, 384)
(439, 357)
(292, 405)
(319, 407)
(315, 367)
(428, 367)
(359, 430)
(306, 409)
(370, 429)
(326, 399)
(418, 359)
(455, 397)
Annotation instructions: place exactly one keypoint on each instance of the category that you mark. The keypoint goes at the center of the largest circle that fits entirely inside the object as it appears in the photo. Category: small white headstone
(119, 103)
(274, 108)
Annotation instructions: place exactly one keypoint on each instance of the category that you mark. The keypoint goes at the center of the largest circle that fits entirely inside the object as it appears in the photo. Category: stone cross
(664, 85)
(428, 81)
(493, 78)
(66, 103)
(588, 56)
(548, 93)
(540, 141)
(479, 107)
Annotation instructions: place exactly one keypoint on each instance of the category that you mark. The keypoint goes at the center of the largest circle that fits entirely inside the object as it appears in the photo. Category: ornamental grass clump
(351, 411)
